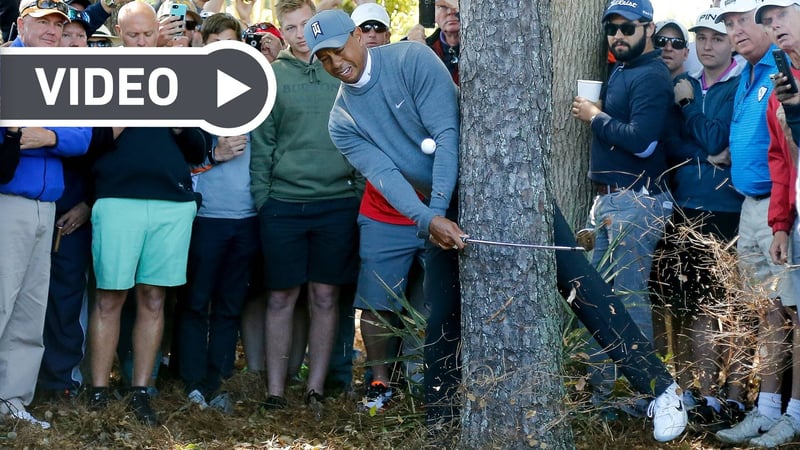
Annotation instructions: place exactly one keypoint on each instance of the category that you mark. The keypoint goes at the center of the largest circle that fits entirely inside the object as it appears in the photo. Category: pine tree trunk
(511, 316)
(579, 52)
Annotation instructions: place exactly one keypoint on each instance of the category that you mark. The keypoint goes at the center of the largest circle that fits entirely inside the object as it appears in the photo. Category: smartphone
(785, 69)
(178, 10)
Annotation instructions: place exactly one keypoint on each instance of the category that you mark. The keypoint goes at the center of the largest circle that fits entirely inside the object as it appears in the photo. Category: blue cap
(630, 9)
(328, 29)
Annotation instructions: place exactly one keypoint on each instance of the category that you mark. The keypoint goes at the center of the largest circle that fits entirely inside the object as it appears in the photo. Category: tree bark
(511, 317)
(579, 52)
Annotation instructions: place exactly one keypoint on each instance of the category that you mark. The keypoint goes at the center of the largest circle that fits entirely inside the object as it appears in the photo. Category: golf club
(469, 240)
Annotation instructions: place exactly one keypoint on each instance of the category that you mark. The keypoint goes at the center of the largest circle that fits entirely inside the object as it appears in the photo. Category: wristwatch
(684, 102)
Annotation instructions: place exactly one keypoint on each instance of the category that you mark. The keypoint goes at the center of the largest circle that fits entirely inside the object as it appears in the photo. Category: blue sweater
(379, 127)
(39, 175)
(749, 135)
(704, 129)
(627, 136)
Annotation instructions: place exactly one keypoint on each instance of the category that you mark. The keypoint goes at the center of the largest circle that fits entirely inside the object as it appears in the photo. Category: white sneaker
(782, 432)
(197, 398)
(754, 425)
(27, 417)
(668, 414)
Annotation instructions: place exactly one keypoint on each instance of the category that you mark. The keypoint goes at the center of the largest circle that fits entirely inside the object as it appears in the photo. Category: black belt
(603, 189)
(760, 196)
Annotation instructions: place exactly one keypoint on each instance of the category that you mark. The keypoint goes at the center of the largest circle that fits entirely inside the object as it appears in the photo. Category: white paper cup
(590, 90)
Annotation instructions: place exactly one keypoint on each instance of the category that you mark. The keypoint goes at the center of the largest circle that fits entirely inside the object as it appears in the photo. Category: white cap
(366, 12)
(735, 6)
(767, 3)
(675, 24)
(708, 19)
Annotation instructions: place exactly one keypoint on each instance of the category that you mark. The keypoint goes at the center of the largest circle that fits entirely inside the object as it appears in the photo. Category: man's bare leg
(147, 331)
(376, 342)
(280, 310)
(104, 333)
(323, 302)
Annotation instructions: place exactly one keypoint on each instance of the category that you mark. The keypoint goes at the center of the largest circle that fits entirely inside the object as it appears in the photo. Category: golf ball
(428, 146)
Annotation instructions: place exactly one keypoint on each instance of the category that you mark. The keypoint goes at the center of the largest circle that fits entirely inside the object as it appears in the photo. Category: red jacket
(782, 168)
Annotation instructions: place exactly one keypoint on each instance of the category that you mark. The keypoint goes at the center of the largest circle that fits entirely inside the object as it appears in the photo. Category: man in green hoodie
(308, 196)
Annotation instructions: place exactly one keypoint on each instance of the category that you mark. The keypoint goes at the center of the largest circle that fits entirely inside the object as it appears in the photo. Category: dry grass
(345, 426)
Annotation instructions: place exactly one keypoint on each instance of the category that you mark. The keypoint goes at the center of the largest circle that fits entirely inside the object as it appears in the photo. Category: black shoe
(314, 401)
(60, 395)
(98, 398)
(313, 396)
(706, 418)
(273, 402)
(140, 404)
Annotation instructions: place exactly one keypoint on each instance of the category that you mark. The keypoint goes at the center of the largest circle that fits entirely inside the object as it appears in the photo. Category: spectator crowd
(345, 198)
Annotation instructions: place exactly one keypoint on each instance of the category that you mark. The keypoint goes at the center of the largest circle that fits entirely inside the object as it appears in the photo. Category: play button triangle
(228, 88)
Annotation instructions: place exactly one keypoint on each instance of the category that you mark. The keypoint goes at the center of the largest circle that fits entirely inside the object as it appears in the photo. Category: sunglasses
(48, 4)
(627, 28)
(190, 25)
(369, 26)
(677, 43)
(98, 44)
(261, 27)
(74, 15)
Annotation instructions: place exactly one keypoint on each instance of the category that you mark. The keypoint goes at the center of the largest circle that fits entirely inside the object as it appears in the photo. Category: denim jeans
(628, 224)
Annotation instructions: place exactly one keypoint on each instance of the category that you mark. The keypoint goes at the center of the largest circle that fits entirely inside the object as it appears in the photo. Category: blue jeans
(220, 257)
(629, 225)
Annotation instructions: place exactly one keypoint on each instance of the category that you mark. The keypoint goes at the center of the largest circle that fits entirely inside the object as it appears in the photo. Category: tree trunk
(579, 52)
(511, 317)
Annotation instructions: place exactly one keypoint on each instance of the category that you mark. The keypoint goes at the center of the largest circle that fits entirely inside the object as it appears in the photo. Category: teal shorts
(137, 241)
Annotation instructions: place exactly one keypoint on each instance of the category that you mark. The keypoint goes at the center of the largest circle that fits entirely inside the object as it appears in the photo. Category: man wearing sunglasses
(626, 167)
(671, 37)
(372, 21)
(28, 205)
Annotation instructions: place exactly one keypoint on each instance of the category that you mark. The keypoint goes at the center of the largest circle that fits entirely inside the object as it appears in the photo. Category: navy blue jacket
(704, 129)
(627, 150)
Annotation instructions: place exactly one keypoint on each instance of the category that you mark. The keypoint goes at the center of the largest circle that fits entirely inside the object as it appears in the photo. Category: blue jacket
(627, 136)
(39, 175)
(704, 129)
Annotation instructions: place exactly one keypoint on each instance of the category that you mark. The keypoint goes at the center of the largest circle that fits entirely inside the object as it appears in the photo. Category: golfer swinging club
(392, 99)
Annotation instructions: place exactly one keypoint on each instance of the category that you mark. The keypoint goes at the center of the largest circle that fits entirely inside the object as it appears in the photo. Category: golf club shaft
(469, 240)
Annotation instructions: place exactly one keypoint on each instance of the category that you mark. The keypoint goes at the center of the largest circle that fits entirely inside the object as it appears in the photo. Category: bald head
(137, 24)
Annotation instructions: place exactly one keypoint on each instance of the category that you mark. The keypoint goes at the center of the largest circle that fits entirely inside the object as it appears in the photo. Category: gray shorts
(387, 252)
